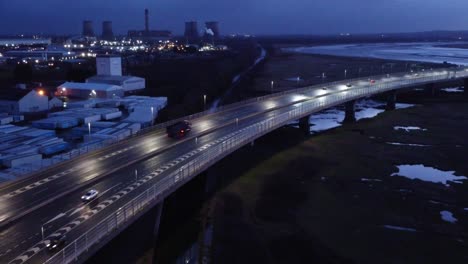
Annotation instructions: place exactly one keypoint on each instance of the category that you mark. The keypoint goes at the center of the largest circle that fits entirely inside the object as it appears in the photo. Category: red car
(179, 129)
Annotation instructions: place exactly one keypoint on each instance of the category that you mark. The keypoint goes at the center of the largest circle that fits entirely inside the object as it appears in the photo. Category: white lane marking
(110, 189)
(55, 218)
(56, 176)
(77, 210)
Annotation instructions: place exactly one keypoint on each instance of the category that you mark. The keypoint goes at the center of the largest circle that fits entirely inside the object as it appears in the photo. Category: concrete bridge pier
(210, 182)
(350, 112)
(157, 224)
(304, 124)
(430, 89)
(465, 86)
(391, 100)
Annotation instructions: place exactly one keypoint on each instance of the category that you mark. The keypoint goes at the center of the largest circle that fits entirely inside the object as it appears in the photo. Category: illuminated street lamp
(152, 116)
(272, 85)
(204, 102)
(89, 129)
(345, 73)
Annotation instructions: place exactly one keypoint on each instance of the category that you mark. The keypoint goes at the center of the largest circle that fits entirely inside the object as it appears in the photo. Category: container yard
(82, 127)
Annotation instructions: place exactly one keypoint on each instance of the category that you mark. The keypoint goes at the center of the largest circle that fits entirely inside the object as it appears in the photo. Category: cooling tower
(191, 31)
(88, 30)
(107, 32)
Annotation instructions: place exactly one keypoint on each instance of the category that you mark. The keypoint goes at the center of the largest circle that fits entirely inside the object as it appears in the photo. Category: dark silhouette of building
(191, 31)
(88, 30)
(107, 32)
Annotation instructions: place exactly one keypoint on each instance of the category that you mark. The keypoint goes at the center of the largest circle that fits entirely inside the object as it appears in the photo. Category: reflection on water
(333, 117)
(426, 52)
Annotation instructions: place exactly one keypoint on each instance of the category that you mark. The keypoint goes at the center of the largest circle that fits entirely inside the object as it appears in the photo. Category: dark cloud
(240, 16)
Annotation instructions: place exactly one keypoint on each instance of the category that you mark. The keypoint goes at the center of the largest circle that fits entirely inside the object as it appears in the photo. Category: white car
(90, 195)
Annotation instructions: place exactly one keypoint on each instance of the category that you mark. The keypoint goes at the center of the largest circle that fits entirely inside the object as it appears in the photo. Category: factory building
(109, 71)
(107, 32)
(24, 42)
(128, 83)
(90, 90)
(191, 32)
(41, 55)
(88, 30)
(23, 101)
(109, 65)
(108, 83)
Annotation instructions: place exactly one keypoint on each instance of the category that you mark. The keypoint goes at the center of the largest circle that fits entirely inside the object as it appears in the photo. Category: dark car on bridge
(179, 129)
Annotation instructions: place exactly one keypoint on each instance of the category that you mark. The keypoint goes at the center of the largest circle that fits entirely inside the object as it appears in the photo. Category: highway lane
(97, 166)
(124, 177)
(266, 105)
(72, 203)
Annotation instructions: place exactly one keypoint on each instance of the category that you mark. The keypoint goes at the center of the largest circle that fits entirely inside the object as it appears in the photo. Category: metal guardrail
(154, 192)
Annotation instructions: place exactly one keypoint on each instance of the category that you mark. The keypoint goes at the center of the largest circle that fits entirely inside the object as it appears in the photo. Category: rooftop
(112, 78)
(90, 86)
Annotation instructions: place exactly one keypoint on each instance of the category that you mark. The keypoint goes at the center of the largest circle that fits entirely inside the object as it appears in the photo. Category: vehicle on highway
(89, 195)
(372, 81)
(56, 243)
(349, 85)
(179, 129)
(324, 88)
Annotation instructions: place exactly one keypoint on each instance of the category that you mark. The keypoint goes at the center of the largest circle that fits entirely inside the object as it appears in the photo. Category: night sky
(237, 16)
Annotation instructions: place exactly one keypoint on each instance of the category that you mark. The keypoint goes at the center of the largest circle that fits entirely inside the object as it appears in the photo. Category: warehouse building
(90, 90)
(23, 101)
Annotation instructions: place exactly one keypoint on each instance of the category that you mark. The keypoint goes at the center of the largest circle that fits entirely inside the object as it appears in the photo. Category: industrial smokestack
(88, 30)
(107, 32)
(191, 31)
(147, 21)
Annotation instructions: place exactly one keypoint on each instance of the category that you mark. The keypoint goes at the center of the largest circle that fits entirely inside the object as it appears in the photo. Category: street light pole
(89, 129)
(152, 116)
(204, 102)
(272, 84)
(345, 73)
(42, 232)
(136, 175)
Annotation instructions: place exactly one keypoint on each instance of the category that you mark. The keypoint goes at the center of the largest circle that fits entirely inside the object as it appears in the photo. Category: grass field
(306, 201)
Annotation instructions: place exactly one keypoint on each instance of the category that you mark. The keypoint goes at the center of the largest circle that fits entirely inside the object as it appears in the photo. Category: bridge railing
(34, 168)
(156, 191)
